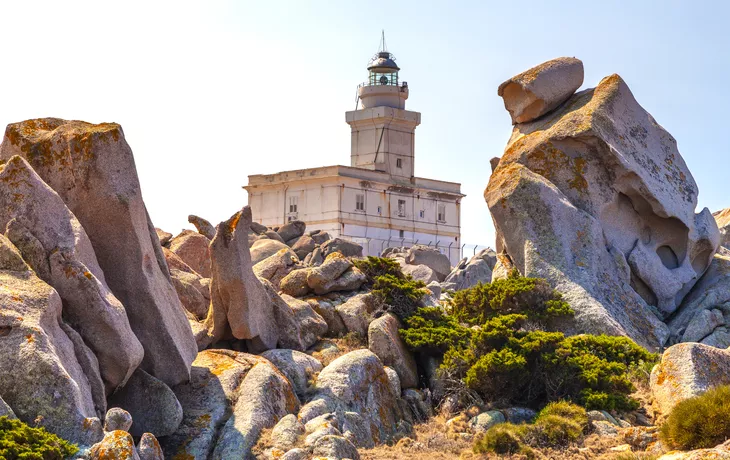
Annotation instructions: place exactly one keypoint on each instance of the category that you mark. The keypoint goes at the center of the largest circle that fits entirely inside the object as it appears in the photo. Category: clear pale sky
(209, 92)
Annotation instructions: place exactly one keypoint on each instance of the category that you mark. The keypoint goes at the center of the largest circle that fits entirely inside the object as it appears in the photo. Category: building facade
(377, 201)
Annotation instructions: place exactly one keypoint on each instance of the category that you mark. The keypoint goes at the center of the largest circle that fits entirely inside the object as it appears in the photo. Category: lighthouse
(383, 131)
(376, 201)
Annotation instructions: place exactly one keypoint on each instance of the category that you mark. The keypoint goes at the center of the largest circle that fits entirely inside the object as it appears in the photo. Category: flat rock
(92, 169)
(537, 91)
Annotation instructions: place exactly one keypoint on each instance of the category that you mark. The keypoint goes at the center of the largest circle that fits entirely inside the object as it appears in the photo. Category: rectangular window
(360, 202)
(380, 209)
(398, 163)
(402, 208)
(422, 214)
(293, 203)
(441, 216)
(401, 234)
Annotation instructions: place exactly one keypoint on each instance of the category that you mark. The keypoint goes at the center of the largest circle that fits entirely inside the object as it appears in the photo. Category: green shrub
(373, 267)
(20, 441)
(503, 439)
(567, 410)
(399, 294)
(553, 431)
(430, 331)
(699, 422)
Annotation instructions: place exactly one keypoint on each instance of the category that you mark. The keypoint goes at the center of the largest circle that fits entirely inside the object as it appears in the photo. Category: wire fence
(455, 252)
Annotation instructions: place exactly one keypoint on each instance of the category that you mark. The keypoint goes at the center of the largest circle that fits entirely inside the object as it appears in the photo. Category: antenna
(383, 46)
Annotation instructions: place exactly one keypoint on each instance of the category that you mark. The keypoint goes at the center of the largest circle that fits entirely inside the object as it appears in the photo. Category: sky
(210, 92)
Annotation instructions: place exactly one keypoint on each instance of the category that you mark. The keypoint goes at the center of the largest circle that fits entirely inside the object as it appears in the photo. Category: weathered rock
(263, 249)
(47, 382)
(149, 448)
(92, 168)
(204, 227)
(176, 263)
(194, 293)
(163, 236)
(596, 198)
(357, 312)
(702, 325)
(295, 283)
(258, 228)
(334, 266)
(356, 429)
(327, 310)
(272, 235)
(117, 419)
(335, 447)
(239, 301)
(303, 246)
(296, 454)
(421, 273)
(686, 370)
(264, 397)
(420, 404)
(604, 429)
(435, 288)
(325, 351)
(467, 274)
(320, 237)
(386, 343)
(328, 430)
(219, 390)
(152, 404)
(35, 218)
(276, 267)
(299, 325)
(192, 248)
(286, 432)
(356, 382)
(118, 445)
(298, 367)
(430, 257)
(722, 218)
(5, 410)
(345, 247)
(519, 415)
(316, 258)
(323, 421)
(486, 420)
(351, 280)
(291, 230)
(393, 380)
(533, 93)
(721, 452)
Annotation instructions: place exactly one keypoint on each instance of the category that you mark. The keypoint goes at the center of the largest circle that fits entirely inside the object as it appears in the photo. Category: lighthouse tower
(383, 132)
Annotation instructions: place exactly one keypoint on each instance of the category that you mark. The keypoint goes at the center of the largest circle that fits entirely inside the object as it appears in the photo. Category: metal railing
(455, 252)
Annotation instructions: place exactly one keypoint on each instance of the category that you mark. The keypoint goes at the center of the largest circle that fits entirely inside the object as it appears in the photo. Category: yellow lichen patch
(579, 182)
(233, 222)
(30, 338)
(88, 274)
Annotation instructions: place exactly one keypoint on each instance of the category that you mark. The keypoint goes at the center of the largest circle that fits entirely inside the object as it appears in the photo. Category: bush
(20, 441)
(494, 342)
(503, 439)
(699, 422)
(567, 410)
(400, 294)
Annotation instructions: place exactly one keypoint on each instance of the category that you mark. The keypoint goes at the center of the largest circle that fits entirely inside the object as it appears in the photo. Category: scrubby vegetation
(399, 294)
(496, 343)
(23, 442)
(557, 425)
(699, 422)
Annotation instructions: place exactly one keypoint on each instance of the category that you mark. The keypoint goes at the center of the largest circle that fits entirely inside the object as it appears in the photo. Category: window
(421, 213)
(293, 202)
(380, 209)
(360, 202)
(441, 216)
(402, 208)
(398, 163)
(401, 234)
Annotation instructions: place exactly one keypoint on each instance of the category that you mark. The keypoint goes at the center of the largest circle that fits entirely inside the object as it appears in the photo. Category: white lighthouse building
(377, 201)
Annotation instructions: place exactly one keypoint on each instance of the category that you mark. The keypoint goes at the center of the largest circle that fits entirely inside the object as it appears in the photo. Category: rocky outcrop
(277, 266)
(534, 93)
(430, 257)
(92, 169)
(53, 241)
(687, 370)
(345, 247)
(41, 376)
(595, 197)
(298, 367)
(192, 248)
(263, 249)
(470, 272)
(193, 291)
(722, 218)
(231, 397)
(299, 326)
(356, 382)
(291, 230)
(203, 227)
(118, 444)
(239, 302)
(357, 312)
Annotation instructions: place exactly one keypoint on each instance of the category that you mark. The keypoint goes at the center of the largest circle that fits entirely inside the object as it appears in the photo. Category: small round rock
(117, 419)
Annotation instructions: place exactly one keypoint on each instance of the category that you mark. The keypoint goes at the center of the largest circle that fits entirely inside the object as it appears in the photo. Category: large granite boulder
(298, 367)
(357, 312)
(42, 378)
(264, 248)
(192, 248)
(291, 230)
(92, 168)
(56, 246)
(687, 370)
(231, 397)
(239, 301)
(722, 218)
(430, 257)
(193, 291)
(595, 197)
(299, 325)
(345, 247)
(274, 268)
(534, 93)
(356, 382)
(386, 343)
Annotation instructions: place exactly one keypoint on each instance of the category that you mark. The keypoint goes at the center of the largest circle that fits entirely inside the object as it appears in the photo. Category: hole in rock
(668, 257)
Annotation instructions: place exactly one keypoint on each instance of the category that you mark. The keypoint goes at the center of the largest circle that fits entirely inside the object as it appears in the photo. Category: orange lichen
(30, 338)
